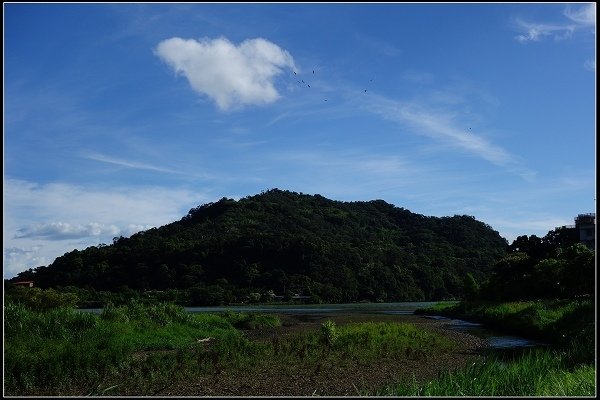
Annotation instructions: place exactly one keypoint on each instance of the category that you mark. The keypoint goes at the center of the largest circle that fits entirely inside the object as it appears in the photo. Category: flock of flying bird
(302, 82)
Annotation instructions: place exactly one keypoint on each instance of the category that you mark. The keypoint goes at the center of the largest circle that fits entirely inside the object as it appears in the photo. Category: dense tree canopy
(290, 244)
(555, 266)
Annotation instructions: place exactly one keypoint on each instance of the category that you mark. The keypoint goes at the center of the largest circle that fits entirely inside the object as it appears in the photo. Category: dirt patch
(273, 378)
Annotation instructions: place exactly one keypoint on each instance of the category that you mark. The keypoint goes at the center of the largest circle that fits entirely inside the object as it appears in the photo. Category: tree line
(556, 266)
(278, 244)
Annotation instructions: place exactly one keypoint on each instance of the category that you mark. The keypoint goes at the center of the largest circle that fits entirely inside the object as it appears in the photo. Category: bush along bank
(565, 368)
(561, 323)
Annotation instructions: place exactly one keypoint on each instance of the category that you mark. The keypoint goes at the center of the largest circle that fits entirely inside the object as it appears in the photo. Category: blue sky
(122, 117)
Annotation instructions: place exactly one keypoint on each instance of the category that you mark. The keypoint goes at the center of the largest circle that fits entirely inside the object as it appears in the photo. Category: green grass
(55, 348)
(563, 323)
(535, 373)
(374, 340)
(67, 352)
(242, 320)
(566, 369)
(361, 342)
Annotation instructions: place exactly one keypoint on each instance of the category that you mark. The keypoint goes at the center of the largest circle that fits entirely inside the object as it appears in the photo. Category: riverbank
(348, 378)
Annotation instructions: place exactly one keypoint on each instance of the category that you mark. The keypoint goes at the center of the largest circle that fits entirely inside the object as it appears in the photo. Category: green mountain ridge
(288, 243)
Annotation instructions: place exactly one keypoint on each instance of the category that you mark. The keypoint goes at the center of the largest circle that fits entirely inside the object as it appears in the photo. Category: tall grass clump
(329, 332)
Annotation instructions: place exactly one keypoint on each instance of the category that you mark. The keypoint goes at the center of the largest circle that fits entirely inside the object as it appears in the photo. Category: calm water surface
(405, 308)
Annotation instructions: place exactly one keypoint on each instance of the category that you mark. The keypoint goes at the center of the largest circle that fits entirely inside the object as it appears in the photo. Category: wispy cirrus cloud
(126, 163)
(534, 32)
(103, 158)
(443, 123)
(230, 75)
(583, 17)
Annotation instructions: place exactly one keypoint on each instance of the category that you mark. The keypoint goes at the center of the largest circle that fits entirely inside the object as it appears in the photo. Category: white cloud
(535, 32)
(18, 259)
(64, 230)
(580, 18)
(78, 205)
(590, 65)
(585, 15)
(228, 74)
(44, 221)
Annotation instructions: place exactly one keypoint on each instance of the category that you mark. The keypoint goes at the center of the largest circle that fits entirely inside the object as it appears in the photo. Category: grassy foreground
(140, 349)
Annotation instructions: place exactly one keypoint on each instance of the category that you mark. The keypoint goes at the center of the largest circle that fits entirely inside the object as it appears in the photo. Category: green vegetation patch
(561, 322)
(363, 342)
(65, 352)
(536, 373)
(373, 340)
(251, 320)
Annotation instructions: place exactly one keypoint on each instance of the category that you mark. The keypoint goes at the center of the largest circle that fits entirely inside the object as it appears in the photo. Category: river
(494, 339)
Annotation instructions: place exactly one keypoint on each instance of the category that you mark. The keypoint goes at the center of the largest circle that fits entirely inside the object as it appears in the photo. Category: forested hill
(285, 243)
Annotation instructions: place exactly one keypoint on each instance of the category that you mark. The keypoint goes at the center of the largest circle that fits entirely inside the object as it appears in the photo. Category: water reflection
(493, 339)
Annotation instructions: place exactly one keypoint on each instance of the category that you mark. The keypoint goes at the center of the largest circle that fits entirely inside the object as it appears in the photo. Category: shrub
(329, 332)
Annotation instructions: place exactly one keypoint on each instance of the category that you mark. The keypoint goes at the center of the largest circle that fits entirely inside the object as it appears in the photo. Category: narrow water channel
(494, 339)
